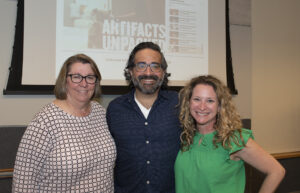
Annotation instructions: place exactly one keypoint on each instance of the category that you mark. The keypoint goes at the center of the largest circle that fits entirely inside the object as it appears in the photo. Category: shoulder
(46, 112)
(97, 106)
(43, 119)
(120, 100)
(245, 134)
(240, 139)
(169, 95)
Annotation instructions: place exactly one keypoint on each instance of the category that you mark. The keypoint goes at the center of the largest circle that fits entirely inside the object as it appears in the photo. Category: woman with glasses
(67, 147)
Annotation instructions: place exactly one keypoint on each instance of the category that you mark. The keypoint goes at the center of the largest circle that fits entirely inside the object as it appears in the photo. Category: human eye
(155, 66)
(141, 65)
(210, 100)
(76, 76)
(196, 99)
(91, 78)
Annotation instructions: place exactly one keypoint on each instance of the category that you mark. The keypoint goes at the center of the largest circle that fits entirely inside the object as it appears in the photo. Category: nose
(148, 70)
(202, 106)
(83, 83)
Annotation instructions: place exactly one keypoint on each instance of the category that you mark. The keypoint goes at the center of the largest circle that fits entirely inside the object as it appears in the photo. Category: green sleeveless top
(207, 169)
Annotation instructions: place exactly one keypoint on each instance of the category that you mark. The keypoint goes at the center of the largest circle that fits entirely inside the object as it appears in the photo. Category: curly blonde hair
(227, 121)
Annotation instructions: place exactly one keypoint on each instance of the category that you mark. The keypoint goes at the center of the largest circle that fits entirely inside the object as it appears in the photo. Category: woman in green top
(214, 145)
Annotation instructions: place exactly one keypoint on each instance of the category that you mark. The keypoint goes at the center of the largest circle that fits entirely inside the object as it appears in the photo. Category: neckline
(70, 115)
(206, 134)
(206, 139)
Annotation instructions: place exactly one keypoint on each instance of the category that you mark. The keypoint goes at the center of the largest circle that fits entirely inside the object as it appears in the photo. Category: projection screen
(107, 31)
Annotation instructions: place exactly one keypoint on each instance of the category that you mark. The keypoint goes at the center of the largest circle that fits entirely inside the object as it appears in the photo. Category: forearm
(254, 155)
(272, 181)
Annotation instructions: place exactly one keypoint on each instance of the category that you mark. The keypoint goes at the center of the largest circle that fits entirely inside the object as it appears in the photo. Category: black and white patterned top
(63, 153)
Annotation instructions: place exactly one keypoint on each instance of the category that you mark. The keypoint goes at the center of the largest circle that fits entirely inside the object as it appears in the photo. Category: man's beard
(150, 89)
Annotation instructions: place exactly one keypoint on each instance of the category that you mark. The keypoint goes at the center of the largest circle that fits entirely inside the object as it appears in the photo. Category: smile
(82, 91)
(202, 114)
(148, 81)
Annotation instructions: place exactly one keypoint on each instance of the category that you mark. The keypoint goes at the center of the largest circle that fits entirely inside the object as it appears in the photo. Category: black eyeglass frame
(151, 65)
(83, 77)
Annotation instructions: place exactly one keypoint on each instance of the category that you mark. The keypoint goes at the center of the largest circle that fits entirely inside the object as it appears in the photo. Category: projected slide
(108, 30)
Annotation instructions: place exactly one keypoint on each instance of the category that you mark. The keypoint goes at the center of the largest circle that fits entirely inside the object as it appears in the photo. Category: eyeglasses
(142, 66)
(77, 78)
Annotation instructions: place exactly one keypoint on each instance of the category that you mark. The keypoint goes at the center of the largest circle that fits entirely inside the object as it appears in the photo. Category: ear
(130, 71)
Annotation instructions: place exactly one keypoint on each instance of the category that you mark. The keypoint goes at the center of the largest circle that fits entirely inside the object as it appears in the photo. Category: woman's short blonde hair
(60, 89)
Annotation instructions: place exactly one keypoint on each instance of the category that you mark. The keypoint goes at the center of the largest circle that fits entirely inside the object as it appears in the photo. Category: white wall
(276, 74)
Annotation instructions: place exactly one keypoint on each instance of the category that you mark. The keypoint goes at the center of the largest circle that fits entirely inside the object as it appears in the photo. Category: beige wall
(276, 74)
(241, 59)
(240, 36)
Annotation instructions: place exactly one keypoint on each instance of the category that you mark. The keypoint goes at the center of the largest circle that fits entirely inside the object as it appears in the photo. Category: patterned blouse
(63, 153)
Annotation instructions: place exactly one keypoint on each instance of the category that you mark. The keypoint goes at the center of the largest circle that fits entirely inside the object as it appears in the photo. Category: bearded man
(144, 124)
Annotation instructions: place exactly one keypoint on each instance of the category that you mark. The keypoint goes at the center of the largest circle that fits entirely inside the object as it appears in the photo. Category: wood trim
(6, 173)
(286, 155)
(7, 170)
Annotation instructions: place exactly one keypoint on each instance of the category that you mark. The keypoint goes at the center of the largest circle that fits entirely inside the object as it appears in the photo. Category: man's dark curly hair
(131, 64)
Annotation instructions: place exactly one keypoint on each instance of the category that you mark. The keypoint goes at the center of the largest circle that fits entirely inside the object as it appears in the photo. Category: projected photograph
(113, 24)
